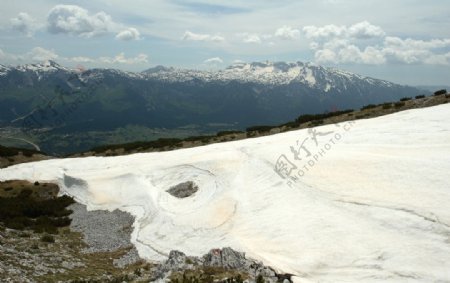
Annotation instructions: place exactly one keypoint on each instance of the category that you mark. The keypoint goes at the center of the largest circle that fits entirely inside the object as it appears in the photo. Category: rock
(183, 190)
(225, 258)
(132, 256)
(176, 260)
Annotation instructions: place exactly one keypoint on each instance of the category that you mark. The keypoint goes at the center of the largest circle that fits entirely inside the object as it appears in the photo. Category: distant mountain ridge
(67, 101)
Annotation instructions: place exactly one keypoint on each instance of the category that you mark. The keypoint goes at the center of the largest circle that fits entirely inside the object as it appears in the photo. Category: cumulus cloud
(213, 61)
(411, 51)
(24, 23)
(362, 30)
(365, 30)
(391, 50)
(81, 59)
(2, 55)
(37, 54)
(190, 36)
(129, 34)
(41, 54)
(251, 37)
(325, 32)
(287, 32)
(342, 44)
(121, 59)
(72, 19)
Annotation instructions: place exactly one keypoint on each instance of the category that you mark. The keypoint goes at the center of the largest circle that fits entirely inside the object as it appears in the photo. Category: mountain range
(49, 100)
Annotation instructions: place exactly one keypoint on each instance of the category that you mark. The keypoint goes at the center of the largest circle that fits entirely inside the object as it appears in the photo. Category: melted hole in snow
(183, 190)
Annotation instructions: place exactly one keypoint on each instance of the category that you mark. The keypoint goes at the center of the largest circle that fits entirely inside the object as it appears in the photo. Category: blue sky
(404, 41)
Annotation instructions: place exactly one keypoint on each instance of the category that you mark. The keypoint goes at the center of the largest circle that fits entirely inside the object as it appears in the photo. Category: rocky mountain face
(66, 101)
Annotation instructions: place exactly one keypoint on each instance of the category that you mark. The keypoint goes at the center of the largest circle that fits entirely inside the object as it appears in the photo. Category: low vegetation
(440, 92)
(23, 208)
(399, 104)
(317, 117)
(13, 151)
(207, 275)
(387, 105)
(370, 106)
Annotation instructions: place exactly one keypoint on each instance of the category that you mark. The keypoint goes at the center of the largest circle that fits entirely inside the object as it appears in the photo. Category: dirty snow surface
(367, 201)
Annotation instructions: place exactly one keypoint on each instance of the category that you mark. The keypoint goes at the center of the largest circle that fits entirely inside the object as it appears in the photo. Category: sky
(404, 41)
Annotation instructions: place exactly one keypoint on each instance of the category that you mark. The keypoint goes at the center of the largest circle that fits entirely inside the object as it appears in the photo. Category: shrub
(420, 96)
(48, 239)
(12, 151)
(23, 212)
(370, 106)
(440, 92)
(291, 124)
(224, 133)
(259, 128)
(317, 123)
(399, 104)
(311, 117)
(405, 99)
(387, 105)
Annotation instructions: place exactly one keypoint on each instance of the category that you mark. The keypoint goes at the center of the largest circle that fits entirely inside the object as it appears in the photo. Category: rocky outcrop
(225, 259)
(183, 190)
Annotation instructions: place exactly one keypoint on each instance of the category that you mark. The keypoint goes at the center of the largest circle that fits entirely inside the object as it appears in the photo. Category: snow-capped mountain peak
(45, 66)
(267, 73)
(4, 70)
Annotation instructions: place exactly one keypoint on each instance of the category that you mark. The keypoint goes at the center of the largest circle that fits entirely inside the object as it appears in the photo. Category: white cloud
(213, 61)
(411, 51)
(81, 59)
(341, 44)
(362, 30)
(24, 23)
(121, 59)
(325, 32)
(391, 50)
(190, 36)
(129, 34)
(2, 55)
(72, 19)
(41, 54)
(287, 32)
(398, 43)
(365, 30)
(250, 37)
(352, 54)
(325, 56)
